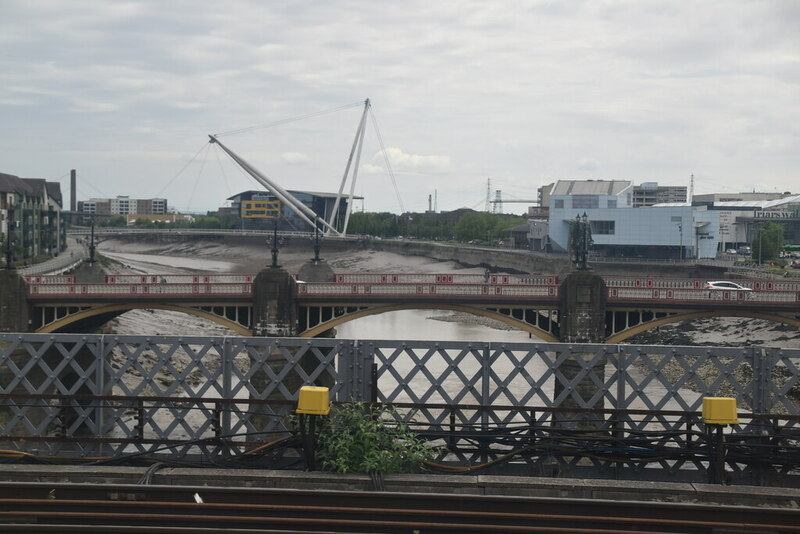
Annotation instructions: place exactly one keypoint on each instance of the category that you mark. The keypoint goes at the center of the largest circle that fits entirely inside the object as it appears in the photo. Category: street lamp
(680, 231)
(316, 239)
(580, 238)
(275, 242)
(91, 245)
(9, 265)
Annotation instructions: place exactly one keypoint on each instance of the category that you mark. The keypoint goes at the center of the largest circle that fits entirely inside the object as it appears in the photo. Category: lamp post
(585, 240)
(91, 245)
(316, 240)
(580, 241)
(275, 244)
(9, 256)
(680, 231)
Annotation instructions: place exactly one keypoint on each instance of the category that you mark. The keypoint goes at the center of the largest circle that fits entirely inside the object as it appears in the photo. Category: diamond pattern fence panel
(188, 397)
(471, 392)
(178, 397)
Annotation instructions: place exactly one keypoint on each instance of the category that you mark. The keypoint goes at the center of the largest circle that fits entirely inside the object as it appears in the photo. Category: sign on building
(261, 209)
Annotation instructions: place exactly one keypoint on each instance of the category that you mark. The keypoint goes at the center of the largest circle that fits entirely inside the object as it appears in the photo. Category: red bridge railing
(158, 290)
(224, 278)
(418, 285)
(449, 278)
(425, 290)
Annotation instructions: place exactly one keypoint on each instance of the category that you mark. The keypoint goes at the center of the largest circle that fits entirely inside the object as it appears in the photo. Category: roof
(759, 204)
(312, 193)
(54, 192)
(38, 186)
(589, 187)
(518, 228)
(325, 195)
(14, 184)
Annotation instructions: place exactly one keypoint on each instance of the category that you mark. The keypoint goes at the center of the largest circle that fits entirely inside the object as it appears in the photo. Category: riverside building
(620, 230)
(30, 218)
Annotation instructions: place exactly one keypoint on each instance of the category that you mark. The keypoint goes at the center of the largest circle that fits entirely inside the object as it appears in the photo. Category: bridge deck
(623, 292)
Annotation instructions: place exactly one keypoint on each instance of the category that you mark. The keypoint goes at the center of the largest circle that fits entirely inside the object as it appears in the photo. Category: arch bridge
(532, 303)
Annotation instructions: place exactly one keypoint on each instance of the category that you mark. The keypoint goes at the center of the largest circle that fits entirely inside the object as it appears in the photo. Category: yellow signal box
(313, 400)
(720, 411)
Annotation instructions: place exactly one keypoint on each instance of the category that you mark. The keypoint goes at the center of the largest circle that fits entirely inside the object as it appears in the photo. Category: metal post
(227, 386)
(275, 244)
(717, 461)
(585, 241)
(316, 239)
(9, 255)
(91, 245)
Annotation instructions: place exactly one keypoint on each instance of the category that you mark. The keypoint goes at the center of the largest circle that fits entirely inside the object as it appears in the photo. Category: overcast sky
(521, 93)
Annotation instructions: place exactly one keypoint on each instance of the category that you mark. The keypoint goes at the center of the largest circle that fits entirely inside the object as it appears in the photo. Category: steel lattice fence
(187, 397)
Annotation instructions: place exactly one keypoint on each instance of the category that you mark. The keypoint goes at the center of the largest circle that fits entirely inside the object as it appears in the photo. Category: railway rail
(142, 508)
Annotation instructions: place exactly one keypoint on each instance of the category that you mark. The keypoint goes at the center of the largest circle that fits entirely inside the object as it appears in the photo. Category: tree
(115, 222)
(767, 242)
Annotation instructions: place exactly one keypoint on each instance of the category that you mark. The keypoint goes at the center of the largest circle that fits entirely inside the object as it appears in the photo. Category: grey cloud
(504, 90)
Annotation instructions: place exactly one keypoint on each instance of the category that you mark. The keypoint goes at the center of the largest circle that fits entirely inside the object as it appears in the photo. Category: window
(585, 201)
(603, 227)
(612, 203)
(559, 204)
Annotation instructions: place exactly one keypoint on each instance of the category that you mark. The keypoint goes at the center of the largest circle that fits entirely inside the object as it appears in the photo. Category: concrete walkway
(68, 259)
(522, 486)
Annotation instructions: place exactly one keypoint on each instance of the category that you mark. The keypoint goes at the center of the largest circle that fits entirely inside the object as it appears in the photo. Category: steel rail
(197, 515)
(247, 509)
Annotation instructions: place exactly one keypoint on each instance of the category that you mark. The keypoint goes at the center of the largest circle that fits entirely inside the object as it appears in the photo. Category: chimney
(73, 199)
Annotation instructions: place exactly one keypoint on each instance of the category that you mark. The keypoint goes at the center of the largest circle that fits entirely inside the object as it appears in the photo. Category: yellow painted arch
(520, 325)
(91, 312)
(638, 329)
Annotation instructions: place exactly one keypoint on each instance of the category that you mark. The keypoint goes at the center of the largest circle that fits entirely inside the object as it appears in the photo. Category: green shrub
(358, 439)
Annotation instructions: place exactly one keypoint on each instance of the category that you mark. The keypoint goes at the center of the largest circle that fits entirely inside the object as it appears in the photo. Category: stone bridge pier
(274, 305)
(15, 312)
(582, 319)
(275, 315)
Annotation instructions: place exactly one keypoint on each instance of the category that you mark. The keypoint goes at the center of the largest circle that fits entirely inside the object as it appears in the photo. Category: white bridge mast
(356, 149)
(303, 211)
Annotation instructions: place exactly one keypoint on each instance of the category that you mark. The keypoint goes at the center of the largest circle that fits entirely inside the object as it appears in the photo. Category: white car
(727, 286)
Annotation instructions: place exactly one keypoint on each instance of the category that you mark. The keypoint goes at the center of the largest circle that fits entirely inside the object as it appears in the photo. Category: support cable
(386, 159)
(205, 146)
(197, 179)
(222, 170)
(289, 120)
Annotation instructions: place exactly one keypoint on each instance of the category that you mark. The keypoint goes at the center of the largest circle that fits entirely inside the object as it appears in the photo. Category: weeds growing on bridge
(358, 438)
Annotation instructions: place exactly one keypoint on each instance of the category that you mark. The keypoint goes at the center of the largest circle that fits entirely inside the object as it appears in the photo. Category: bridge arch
(118, 309)
(643, 327)
(385, 308)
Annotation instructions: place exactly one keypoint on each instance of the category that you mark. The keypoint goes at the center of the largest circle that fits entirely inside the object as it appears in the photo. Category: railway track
(128, 508)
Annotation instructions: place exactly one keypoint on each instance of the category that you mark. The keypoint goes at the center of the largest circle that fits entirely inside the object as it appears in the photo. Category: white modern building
(620, 230)
(740, 219)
